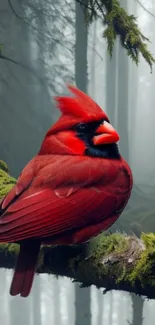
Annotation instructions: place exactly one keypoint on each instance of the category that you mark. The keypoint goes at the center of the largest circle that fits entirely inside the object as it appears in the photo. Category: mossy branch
(118, 23)
(116, 261)
(6, 181)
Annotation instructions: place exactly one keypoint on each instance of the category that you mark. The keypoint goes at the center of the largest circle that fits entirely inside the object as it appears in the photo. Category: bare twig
(31, 25)
(20, 64)
(148, 11)
(100, 9)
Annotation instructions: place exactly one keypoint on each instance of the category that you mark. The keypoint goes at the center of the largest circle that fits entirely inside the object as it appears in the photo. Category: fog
(46, 44)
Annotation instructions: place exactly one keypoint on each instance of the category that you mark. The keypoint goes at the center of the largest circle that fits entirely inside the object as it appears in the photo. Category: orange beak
(105, 134)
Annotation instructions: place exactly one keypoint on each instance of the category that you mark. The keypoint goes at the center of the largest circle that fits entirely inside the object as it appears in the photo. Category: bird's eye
(81, 127)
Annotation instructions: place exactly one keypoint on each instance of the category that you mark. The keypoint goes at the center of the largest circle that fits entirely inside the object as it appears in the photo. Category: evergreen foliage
(118, 23)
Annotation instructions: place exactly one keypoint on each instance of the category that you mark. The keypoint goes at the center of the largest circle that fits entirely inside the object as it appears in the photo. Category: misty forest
(45, 44)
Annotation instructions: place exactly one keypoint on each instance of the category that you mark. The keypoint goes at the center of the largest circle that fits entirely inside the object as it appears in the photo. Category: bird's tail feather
(25, 269)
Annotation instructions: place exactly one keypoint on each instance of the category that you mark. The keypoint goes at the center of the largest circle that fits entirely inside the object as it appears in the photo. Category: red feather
(81, 106)
(62, 197)
(53, 196)
(25, 268)
(77, 109)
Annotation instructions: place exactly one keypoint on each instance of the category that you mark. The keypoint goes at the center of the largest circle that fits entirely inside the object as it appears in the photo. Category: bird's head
(82, 129)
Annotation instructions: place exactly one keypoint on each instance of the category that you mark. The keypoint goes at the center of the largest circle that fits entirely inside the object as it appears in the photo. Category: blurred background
(50, 45)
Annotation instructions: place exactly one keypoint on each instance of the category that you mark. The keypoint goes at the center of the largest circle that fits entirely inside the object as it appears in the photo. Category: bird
(74, 188)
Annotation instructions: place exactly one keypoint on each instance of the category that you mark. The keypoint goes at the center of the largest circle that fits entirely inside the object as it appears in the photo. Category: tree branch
(20, 64)
(118, 23)
(116, 261)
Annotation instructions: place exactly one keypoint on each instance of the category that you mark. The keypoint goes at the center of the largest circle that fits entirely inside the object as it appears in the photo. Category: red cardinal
(73, 189)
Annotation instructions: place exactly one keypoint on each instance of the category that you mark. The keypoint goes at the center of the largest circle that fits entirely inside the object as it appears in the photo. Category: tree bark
(122, 101)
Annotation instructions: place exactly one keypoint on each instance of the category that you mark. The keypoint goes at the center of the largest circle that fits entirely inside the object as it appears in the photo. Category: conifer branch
(118, 23)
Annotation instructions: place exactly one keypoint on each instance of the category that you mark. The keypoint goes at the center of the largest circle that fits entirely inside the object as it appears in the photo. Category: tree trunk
(111, 308)
(133, 89)
(122, 102)
(23, 120)
(81, 76)
(56, 302)
(3, 282)
(111, 85)
(93, 62)
(82, 305)
(36, 303)
(137, 305)
(100, 303)
(20, 311)
(82, 297)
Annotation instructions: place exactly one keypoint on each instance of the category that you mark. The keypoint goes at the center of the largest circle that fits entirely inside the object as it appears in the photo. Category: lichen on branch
(118, 23)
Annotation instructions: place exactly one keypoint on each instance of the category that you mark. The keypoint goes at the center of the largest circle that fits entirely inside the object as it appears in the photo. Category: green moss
(149, 240)
(108, 244)
(6, 181)
(144, 266)
(142, 270)
(13, 249)
(122, 272)
(4, 166)
(9, 249)
(111, 255)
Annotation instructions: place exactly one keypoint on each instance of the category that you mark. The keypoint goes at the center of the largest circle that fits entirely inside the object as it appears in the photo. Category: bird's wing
(64, 195)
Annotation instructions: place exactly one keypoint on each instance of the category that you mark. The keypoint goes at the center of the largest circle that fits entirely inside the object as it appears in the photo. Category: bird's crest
(77, 109)
(80, 106)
